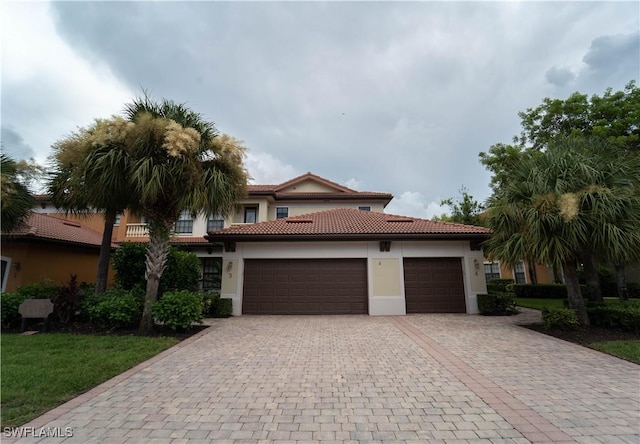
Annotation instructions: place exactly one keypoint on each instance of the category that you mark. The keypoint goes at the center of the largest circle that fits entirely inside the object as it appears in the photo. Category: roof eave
(343, 237)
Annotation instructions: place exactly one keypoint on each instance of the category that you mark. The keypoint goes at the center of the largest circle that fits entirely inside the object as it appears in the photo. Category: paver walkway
(361, 379)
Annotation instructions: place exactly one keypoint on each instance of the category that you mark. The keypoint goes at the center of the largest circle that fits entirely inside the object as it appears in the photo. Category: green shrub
(623, 315)
(10, 302)
(561, 318)
(500, 304)
(540, 291)
(224, 309)
(178, 310)
(210, 302)
(113, 309)
(498, 285)
(182, 271)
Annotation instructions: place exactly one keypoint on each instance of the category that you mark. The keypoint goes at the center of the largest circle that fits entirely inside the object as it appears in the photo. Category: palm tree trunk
(573, 291)
(105, 251)
(621, 281)
(591, 277)
(533, 277)
(157, 253)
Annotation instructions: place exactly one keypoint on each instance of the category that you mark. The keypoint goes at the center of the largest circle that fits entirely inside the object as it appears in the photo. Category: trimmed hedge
(224, 309)
(561, 318)
(178, 310)
(497, 304)
(540, 291)
(624, 315)
(498, 285)
(113, 309)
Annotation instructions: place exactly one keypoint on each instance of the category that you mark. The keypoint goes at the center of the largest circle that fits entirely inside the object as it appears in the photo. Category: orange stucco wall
(40, 261)
(543, 274)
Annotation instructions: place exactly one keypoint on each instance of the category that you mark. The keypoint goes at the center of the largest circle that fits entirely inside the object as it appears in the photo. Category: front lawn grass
(539, 304)
(42, 371)
(629, 350)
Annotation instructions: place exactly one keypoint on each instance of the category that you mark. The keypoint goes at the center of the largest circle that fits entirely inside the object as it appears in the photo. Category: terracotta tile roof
(41, 226)
(348, 223)
(340, 191)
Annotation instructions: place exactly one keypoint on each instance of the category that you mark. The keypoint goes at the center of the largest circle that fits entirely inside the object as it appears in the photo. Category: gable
(309, 186)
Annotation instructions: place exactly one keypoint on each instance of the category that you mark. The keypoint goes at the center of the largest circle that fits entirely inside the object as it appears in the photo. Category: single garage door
(305, 286)
(434, 285)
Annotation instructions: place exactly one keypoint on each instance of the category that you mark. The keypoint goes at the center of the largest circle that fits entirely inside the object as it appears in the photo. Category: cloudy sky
(384, 96)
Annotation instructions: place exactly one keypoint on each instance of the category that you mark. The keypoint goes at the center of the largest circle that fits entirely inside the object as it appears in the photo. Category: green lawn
(629, 350)
(539, 304)
(42, 371)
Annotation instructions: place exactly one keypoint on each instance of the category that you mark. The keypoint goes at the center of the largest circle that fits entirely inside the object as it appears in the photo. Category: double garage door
(339, 286)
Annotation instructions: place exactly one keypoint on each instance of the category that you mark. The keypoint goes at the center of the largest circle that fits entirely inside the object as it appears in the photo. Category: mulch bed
(585, 336)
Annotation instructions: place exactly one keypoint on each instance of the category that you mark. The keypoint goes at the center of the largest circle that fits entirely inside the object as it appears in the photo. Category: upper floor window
(215, 222)
(519, 274)
(184, 225)
(365, 208)
(117, 221)
(491, 270)
(250, 215)
(282, 212)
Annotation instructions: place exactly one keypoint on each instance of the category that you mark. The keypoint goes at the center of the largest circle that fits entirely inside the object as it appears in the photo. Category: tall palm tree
(17, 200)
(561, 206)
(175, 165)
(90, 173)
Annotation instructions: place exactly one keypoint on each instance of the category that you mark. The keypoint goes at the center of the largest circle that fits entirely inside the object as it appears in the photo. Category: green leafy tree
(612, 119)
(16, 197)
(464, 210)
(90, 173)
(561, 206)
(176, 163)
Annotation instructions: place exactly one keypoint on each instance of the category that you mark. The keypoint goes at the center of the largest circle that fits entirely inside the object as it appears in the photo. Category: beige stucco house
(311, 246)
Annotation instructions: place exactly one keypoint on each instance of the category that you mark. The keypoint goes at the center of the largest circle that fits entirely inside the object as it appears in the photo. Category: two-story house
(310, 245)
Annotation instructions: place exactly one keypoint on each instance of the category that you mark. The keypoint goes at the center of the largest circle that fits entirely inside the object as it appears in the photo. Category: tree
(612, 119)
(561, 206)
(464, 210)
(17, 200)
(177, 164)
(90, 173)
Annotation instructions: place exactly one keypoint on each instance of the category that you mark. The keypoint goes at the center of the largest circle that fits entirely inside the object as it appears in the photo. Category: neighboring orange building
(521, 273)
(49, 248)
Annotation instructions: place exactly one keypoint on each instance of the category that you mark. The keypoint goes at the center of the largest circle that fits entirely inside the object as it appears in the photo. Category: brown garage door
(305, 286)
(434, 285)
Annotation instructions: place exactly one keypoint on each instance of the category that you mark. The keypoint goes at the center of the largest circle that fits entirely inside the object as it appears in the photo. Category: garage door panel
(434, 285)
(305, 286)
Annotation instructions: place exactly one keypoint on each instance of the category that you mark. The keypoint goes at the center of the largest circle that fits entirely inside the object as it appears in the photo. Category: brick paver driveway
(419, 378)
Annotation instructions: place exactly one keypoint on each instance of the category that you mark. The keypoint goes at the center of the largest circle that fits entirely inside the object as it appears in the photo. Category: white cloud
(266, 169)
(353, 183)
(414, 204)
(51, 87)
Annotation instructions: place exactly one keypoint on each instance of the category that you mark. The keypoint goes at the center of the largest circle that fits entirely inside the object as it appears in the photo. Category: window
(6, 266)
(215, 222)
(117, 221)
(282, 212)
(519, 274)
(250, 215)
(491, 270)
(184, 225)
(364, 208)
(211, 273)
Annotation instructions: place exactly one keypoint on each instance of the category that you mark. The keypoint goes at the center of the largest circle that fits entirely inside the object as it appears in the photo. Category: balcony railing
(137, 230)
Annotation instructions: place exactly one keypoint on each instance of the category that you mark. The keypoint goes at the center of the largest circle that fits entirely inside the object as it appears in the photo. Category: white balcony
(137, 230)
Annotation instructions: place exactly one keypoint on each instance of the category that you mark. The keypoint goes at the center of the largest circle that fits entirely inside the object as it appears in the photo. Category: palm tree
(90, 174)
(176, 164)
(17, 201)
(562, 205)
